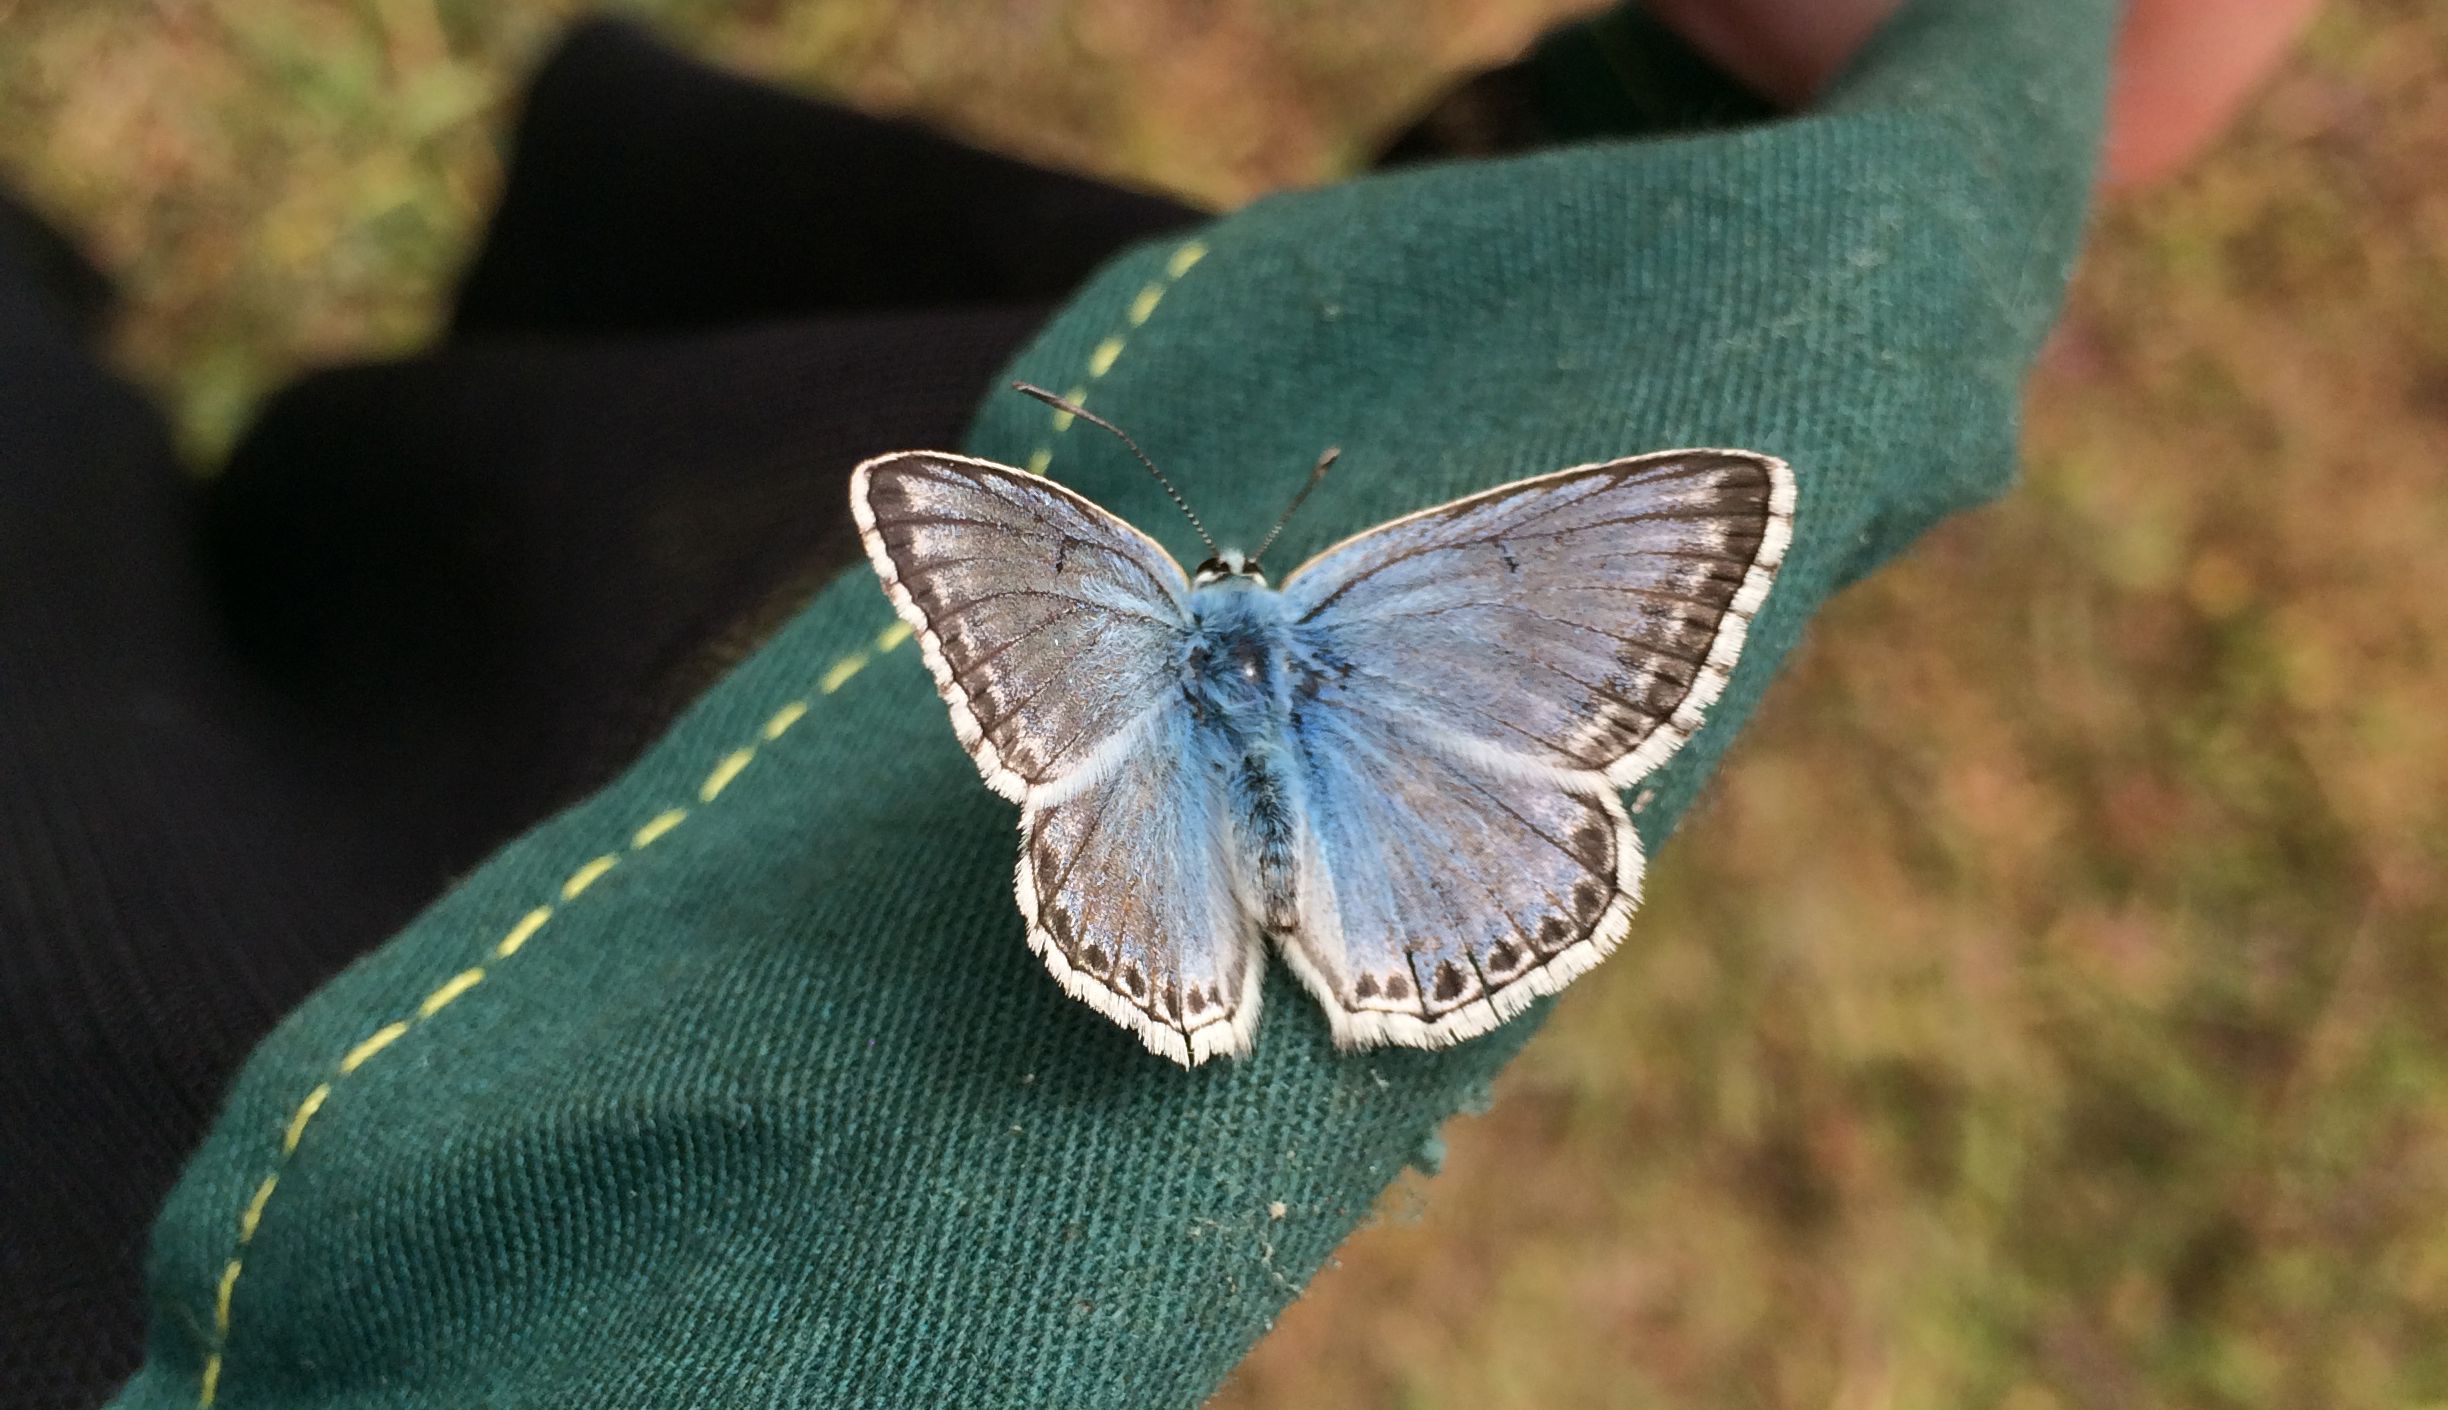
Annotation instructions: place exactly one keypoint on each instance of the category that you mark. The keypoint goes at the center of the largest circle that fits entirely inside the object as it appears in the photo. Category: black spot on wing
(1593, 845)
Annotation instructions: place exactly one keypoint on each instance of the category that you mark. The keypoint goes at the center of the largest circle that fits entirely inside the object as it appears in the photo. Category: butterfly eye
(1212, 568)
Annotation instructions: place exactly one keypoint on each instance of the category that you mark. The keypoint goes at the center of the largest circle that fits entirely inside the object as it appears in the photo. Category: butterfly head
(1228, 563)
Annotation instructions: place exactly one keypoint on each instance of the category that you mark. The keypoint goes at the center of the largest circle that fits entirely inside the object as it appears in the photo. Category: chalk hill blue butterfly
(1402, 766)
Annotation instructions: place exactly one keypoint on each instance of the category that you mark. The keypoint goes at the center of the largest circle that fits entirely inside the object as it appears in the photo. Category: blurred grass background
(2048, 1007)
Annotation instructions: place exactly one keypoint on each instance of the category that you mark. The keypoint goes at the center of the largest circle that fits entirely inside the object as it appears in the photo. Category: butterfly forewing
(1051, 626)
(1582, 621)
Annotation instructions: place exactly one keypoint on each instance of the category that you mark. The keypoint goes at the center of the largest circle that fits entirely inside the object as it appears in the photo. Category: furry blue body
(1238, 673)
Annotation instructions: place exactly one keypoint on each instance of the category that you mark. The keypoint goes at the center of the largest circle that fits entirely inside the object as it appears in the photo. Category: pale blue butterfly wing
(1439, 894)
(1481, 680)
(1128, 887)
(1055, 633)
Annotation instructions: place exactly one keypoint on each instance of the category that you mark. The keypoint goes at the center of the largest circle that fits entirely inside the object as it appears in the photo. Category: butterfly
(1403, 766)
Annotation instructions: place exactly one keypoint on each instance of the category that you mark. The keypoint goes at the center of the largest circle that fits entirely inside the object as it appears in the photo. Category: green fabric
(778, 1109)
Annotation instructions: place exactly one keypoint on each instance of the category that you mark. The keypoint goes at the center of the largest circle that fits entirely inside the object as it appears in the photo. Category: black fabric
(249, 726)
(653, 194)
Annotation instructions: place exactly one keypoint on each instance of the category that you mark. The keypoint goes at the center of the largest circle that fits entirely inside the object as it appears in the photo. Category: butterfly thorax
(1233, 657)
(1236, 678)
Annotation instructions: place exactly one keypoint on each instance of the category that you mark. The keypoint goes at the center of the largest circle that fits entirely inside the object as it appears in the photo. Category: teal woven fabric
(735, 1085)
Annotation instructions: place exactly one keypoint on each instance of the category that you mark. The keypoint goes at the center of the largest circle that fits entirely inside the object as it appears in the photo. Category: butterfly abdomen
(1267, 819)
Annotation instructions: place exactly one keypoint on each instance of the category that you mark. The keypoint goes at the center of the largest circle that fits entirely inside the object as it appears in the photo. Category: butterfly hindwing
(1128, 889)
(1439, 895)
(1050, 625)
(1482, 678)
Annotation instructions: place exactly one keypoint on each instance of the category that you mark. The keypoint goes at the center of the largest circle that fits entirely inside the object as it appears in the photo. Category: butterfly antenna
(1072, 408)
(1324, 463)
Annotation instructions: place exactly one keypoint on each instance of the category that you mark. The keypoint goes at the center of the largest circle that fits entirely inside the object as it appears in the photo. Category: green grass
(2047, 1009)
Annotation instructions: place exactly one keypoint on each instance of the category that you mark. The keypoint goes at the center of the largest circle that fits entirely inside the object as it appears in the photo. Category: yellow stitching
(783, 719)
(587, 876)
(452, 988)
(728, 770)
(250, 1219)
(304, 1113)
(657, 825)
(254, 1210)
(522, 932)
(382, 1038)
(229, 1280)
(842, 671)
(1106, 353)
